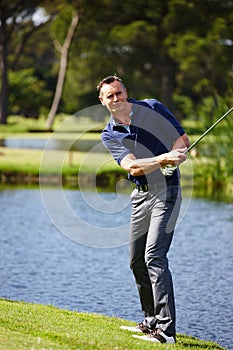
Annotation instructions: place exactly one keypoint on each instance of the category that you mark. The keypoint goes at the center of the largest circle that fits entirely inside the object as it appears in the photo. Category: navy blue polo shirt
(153, 131)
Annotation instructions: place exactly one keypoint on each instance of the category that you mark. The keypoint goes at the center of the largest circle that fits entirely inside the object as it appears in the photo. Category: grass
(25, 166)
(30, 167)
(21, 165)
(25, 326)
(29, 160)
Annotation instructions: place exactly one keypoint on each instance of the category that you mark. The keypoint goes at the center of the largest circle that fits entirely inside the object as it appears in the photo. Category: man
(144, 136)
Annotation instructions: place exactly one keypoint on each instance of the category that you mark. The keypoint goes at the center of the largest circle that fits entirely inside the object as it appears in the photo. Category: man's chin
(118, 108)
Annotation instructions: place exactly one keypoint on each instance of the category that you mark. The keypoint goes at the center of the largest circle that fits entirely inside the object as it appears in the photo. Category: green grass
(26, 326)
(31, 167)
(29, 161)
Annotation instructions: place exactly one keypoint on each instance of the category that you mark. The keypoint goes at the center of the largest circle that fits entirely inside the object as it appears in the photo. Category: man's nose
(115, 97)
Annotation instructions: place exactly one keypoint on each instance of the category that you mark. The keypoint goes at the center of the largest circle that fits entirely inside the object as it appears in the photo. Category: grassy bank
(29, 167)
(32, 326)
(67, 163)
(24, 166)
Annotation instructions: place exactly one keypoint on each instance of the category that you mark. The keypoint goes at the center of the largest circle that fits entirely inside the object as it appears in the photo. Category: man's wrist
(162, 159)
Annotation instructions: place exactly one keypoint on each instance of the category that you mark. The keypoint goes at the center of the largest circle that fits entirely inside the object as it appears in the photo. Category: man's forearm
(182, 142)
(144, 166)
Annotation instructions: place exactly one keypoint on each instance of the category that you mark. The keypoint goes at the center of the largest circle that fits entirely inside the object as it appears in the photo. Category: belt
(144, 188)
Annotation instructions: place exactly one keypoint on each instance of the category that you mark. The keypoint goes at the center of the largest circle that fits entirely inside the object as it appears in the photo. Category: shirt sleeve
(117, 150)
(164, 111)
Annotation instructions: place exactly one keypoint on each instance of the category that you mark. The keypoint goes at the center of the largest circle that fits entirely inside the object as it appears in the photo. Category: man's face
(113, 96)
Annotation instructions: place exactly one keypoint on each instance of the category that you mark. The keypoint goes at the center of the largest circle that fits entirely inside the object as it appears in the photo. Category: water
(40, 264)
(81, 145)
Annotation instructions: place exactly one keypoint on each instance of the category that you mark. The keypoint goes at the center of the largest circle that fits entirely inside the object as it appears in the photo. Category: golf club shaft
(208, 130)
(169, 169)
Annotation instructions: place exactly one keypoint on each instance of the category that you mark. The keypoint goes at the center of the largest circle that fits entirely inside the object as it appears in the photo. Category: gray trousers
(153, 218)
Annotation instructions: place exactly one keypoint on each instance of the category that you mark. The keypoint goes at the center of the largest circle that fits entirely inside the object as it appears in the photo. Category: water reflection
(39, 264)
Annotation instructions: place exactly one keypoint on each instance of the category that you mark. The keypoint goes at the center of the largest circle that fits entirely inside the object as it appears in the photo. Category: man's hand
(174, 157)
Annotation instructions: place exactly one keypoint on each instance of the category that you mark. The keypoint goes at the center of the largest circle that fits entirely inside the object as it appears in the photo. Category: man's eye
(110, 96)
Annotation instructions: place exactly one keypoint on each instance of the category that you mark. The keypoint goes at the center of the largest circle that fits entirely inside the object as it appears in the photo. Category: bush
(28, 95)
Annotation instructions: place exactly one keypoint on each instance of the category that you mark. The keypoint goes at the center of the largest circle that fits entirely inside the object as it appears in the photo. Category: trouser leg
(137, 243)
(141, 275)
(164, 214)
(152, 225)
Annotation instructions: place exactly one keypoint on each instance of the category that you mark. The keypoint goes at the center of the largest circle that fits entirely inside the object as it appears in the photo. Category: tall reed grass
(213, 164)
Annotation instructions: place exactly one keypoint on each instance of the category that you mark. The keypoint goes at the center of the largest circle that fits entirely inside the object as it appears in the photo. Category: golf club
(168, 169)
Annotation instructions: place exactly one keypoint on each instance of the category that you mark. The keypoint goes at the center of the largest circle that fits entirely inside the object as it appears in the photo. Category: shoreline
(103, 180)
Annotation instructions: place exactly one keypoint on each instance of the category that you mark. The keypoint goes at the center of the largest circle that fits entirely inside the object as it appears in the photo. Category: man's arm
(138, 167)
(181, 142)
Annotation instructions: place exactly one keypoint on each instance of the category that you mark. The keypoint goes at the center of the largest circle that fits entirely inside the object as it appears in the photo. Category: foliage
(177, 51)
(160, 51)
(213, 167)
(26, 325)
(17, 25)
(27, 87)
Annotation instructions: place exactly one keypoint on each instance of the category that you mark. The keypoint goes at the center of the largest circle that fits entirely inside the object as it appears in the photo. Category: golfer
(143, 136)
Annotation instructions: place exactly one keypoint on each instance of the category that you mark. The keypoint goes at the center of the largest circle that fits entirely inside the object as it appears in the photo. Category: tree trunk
(167, 85)
(4, 77)
(64, 49)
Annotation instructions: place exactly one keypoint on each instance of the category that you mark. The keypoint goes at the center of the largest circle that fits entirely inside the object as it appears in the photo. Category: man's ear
(101, 100)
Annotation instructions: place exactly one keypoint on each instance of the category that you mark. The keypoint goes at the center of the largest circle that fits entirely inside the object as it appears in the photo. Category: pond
(81, 145)
(42, 262)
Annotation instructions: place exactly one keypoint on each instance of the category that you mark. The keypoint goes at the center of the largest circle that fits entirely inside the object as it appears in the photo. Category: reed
(212, 165)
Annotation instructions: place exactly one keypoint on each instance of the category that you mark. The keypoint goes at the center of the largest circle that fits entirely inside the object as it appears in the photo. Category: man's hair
(108, 80)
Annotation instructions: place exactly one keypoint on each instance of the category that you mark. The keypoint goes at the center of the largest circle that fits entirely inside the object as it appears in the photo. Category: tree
(63, 50)
(28, 94)
(177, 50)
(16, 26)
(202, 48)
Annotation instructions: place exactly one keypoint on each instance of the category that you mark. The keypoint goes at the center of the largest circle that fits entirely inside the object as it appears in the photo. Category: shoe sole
(131, 329)
(153, 340)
